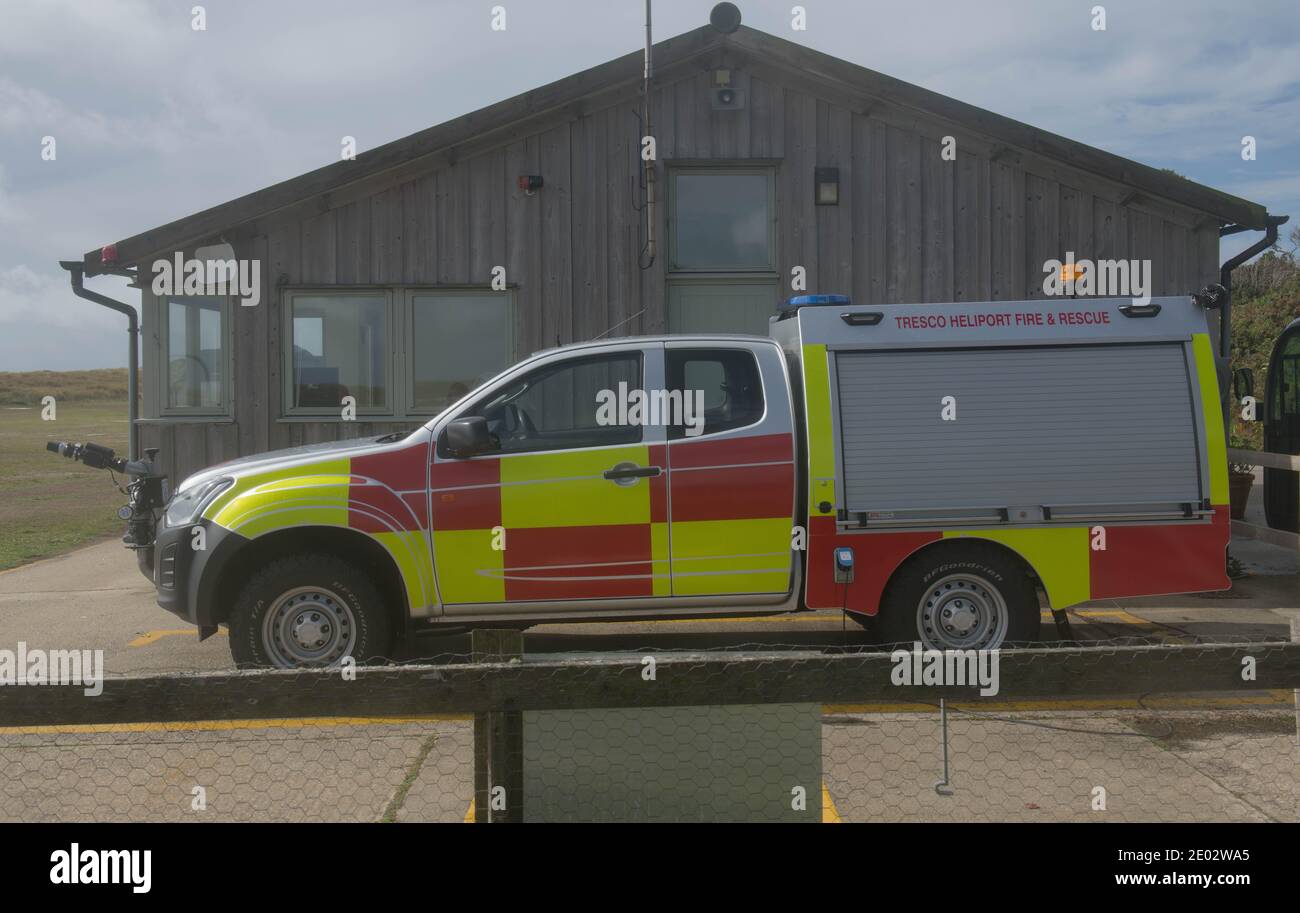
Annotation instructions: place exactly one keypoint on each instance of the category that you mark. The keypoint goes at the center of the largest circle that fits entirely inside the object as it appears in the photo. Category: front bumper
(185, 576)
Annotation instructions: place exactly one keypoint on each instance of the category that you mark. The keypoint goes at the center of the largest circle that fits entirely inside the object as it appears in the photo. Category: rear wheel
(308, 611)
(963, 597)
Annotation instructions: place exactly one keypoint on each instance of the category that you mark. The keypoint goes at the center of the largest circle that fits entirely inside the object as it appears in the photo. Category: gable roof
(571, 96)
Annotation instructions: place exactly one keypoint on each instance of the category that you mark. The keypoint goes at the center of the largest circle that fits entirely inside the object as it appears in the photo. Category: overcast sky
(154, 121)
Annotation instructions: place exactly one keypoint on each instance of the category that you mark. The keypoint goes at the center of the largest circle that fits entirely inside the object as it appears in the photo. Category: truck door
(1282, 431)
(572, 506)
(731, 475)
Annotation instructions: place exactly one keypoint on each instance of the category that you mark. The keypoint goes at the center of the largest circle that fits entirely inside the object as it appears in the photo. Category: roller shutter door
(1056, 426)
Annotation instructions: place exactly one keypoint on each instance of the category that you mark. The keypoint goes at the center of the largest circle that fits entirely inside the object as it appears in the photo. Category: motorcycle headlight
(186, 506)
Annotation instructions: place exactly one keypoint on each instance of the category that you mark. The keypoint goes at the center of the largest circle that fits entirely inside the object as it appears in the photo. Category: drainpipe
(648, 252)
(74, 267)
(1225, 275)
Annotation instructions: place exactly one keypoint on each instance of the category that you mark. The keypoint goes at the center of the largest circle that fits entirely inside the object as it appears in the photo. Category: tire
(308, 611)
(987, 594)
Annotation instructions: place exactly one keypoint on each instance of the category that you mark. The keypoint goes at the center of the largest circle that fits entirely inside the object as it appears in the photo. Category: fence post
(498, 737)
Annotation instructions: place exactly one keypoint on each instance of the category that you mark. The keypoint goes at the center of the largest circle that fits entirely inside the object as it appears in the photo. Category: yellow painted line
(1257, 699)
(1121, 615)
(469, 813)
(225, 725)
(830, 814)
(149, 637)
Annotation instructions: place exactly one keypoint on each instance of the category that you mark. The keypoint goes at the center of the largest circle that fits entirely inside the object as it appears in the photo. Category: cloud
(43, 326)
(155, 121)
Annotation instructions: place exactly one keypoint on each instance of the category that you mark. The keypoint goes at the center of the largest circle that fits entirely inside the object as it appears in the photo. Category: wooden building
(376, 273)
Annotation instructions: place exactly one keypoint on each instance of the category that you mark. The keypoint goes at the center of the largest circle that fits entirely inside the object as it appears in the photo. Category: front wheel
(308, 611)
(967, 597)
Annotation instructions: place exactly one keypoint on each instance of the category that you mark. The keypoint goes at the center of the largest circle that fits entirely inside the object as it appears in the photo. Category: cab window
(557, 406)
(725, 380)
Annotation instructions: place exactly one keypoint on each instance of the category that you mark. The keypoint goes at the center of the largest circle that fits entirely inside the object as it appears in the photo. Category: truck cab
(624, 479)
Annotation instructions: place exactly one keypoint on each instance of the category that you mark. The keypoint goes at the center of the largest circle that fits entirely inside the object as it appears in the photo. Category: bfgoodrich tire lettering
(961, 597)
(308, 610)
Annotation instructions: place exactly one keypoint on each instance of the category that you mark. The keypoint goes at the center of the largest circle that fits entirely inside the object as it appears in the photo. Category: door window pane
(339, 346)
(721, 221)
(195, 353)
(461, 341)
(725, 380)
(558, 407)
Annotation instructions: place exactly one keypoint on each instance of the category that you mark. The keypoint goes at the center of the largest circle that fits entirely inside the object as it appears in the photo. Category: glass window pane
(460, 342)
(555, 407)
(727, 382)
(195, 353)
(721, 221)
(340, 345)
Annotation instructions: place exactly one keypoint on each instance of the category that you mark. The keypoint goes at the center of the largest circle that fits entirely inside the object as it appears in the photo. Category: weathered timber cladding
(910, 226)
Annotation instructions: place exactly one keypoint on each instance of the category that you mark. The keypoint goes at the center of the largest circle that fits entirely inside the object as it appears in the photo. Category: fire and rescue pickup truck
(925, 468)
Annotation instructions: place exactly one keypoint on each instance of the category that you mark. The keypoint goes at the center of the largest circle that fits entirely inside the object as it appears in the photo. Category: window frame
(721, 169)
(409, 355)
(163, 369)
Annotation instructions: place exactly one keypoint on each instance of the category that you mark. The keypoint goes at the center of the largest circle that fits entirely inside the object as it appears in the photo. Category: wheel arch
(955, 543)
(348, 545)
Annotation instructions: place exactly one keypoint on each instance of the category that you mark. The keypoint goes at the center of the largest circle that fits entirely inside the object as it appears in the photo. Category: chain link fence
(1191, 732)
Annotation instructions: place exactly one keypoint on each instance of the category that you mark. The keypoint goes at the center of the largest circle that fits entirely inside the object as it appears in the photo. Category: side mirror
(469, 436)
(1243, 383)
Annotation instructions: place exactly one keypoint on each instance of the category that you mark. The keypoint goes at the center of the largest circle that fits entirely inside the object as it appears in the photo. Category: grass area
(49, 504)
(25, 388)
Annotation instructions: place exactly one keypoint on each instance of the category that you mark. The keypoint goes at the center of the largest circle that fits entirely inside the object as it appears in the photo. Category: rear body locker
(1074, 436)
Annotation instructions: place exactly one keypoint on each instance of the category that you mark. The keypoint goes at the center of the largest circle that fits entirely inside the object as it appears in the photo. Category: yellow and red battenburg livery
(1079, 440)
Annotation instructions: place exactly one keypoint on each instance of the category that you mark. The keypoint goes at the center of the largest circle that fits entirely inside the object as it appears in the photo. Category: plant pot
(1239, 485)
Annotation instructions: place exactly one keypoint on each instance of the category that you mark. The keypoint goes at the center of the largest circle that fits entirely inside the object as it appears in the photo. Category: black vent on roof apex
(725, 17)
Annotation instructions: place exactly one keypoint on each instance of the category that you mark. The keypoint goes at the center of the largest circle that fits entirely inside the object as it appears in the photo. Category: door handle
(630, 472)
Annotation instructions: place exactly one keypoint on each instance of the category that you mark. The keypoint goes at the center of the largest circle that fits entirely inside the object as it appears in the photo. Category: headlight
(185, 508)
